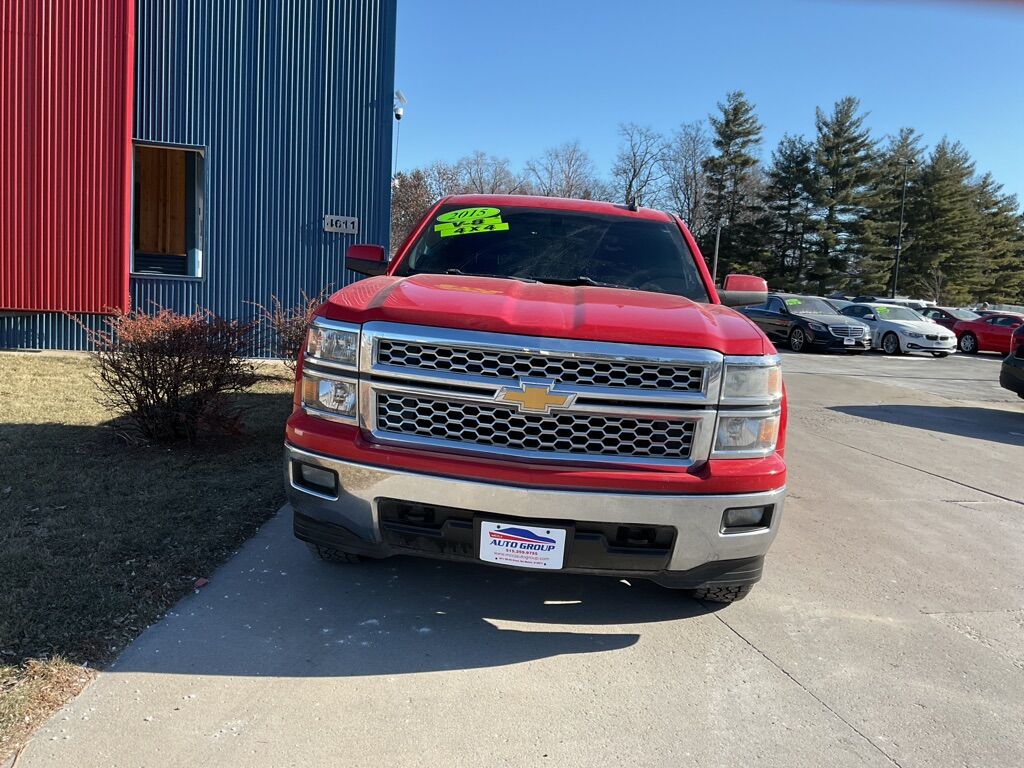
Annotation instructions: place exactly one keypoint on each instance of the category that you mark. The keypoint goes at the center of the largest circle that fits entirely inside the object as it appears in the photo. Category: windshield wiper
(582, 280)
(460, 273)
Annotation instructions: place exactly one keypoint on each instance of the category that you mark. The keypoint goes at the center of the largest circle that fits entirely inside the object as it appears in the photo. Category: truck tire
(332, 555)
(722, 594)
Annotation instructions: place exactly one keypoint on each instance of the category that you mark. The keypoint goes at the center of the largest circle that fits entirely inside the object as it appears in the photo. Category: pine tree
(1000, 243)
(733, 181)
(789, 200)
(844, 154)
(944, 263)
(901, 159)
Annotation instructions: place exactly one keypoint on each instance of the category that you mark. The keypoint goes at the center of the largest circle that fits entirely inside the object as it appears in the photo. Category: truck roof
(556, 203)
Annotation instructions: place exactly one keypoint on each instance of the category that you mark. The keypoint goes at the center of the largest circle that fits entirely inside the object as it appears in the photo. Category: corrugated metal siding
(65, 150)
(292, 103)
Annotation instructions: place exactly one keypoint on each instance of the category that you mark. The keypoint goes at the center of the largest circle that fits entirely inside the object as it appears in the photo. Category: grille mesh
(511, 365)
(851, 331)
(567, 433)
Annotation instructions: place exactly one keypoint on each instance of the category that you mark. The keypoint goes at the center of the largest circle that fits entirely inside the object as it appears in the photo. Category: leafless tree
(486, 174)
(411, 196)
(933, 283)
(639, 170)
(565, 171)
(686, 180)
(443, 179)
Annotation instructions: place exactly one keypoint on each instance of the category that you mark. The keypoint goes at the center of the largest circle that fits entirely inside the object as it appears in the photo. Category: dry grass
(31, 691)
(99, 536)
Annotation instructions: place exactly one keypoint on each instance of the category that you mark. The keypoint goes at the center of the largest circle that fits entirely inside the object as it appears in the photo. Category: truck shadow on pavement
(274, 610)
(993, 424)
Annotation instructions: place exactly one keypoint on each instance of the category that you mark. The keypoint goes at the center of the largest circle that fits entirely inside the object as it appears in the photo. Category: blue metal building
(262, 150)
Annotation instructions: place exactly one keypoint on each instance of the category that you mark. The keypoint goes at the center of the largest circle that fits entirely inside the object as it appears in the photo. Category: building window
(168, 212)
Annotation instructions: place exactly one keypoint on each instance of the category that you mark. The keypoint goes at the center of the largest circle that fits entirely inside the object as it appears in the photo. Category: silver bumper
(697, 519)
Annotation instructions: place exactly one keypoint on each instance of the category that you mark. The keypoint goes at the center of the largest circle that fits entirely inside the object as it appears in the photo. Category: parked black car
(1011, 376)
(808, 322)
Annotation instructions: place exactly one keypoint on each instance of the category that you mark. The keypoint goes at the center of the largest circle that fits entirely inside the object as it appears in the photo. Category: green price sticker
(468, 214)
(793, 302)
(471, 227)
(881, 310)
(470, 221)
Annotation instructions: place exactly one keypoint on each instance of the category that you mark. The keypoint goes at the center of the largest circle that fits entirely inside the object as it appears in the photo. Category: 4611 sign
(346, 225)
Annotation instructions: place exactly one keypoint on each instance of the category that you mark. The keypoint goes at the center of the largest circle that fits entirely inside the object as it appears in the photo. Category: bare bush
(172, 374)
(290, 324)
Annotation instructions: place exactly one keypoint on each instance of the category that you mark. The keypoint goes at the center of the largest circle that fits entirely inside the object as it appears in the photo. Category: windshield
(808, 305)
(963, 314)
(897, 313)
(555, 246)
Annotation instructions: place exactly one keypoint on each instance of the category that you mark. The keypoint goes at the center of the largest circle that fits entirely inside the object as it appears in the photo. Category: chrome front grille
(848, 331)
(512, 364)
(569, 434)
(476, 393)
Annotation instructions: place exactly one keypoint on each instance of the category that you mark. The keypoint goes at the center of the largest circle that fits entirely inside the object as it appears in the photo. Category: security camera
(398, 113)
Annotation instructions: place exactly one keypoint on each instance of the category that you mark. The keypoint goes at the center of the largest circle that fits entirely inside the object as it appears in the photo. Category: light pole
(899, 235)
(399, 110)
(714, 260)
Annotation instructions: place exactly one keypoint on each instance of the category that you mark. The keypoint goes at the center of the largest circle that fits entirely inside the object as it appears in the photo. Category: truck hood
(586, 313)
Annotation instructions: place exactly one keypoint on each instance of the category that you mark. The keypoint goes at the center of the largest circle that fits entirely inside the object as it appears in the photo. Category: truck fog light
(317, 479)
(747, 517)
(329, 395)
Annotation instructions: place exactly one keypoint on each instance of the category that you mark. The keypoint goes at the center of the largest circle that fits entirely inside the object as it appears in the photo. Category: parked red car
(990, 333)
(948, 317)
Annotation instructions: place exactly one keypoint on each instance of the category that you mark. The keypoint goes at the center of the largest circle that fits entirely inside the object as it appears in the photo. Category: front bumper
(827, 342)
(1011, 375)
(676, 540)
(928, 345)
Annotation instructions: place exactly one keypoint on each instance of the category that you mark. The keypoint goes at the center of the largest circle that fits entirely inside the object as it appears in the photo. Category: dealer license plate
(849, 342)
(524, 546)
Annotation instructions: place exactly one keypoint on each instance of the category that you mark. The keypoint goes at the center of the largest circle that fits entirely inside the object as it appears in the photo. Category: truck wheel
(891, 344)
(332, 555)
(969, 343)
(722, 594)
(797, 340)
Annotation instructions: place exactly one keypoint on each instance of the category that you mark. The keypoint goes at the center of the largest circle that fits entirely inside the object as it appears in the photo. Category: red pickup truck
(542, 383)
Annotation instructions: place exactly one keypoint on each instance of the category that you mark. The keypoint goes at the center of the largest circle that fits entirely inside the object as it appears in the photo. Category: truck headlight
(746, 434)
(757, 381)
(333, 343)
(330, 397)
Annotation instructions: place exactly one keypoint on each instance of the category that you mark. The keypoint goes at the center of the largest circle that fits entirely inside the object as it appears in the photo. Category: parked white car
(898, 330)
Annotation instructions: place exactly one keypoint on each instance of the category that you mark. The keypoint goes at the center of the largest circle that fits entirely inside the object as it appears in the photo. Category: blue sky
(514, 77)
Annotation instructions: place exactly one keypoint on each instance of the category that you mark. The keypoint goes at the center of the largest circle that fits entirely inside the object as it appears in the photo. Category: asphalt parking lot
(889, 629)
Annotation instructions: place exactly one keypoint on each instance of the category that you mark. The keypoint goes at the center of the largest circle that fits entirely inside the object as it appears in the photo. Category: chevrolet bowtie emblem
(535, 397)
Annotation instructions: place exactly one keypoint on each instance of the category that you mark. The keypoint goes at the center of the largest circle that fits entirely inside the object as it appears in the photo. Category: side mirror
(743, 290)
(366, 259)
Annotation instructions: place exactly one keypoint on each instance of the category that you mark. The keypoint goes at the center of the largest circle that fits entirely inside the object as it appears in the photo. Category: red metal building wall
(66, 91)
